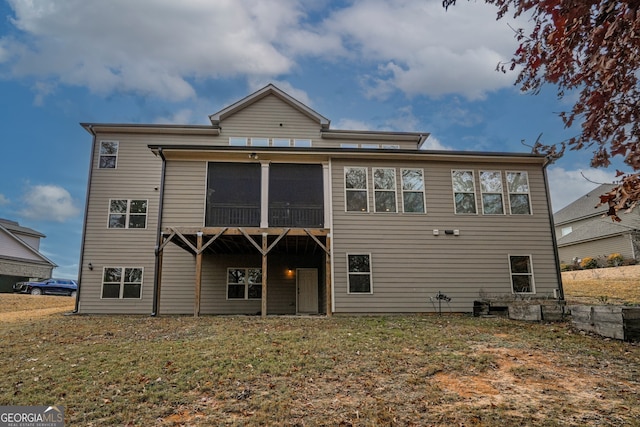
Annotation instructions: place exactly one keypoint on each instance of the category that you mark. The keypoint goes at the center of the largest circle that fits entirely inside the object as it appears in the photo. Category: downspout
(158, 234)
(86, 213)
(556, 254)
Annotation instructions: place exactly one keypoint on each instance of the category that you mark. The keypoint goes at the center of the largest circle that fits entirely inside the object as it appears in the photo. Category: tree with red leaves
(592, 48)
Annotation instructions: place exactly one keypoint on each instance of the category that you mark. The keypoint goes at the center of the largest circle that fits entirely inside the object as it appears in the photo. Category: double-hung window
(518, 186)
(359, 273)
(356, 191)
(521, 274)
(384, 187)
(108, 155)
(124, 213)
(491, 189)
(122, 282)
(464, 191)
(244, 283)
(413, 190)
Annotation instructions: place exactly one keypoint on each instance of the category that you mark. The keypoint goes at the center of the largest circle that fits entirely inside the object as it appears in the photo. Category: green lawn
(361, 371)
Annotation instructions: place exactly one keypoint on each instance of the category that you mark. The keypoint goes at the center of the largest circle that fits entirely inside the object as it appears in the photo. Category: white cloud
(433, 143)
(158, 47)
(567, 186)
(3, 200)
(351, 124)
(179, 117)
(48, 202)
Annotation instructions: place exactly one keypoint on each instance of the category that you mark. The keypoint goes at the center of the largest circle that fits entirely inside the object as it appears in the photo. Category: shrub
(588, 263)
(615, 260)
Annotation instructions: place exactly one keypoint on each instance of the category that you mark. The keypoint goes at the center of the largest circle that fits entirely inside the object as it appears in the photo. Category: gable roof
(11, 227)
(17, 228)
(583, 207)
(599, 228)
(270, 89)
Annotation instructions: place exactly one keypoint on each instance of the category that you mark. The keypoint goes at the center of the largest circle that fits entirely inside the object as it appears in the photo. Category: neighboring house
(584, 230)
(268, 210)
(20, 257)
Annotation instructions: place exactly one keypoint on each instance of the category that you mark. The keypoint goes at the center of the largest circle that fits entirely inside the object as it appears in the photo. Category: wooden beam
(284, 233)
(327, 279)
(186, 241)
(253, 242)
(306, 230)
(213, 239)
(196, 308)
(237, 231)
(263, 310)
(167, 240)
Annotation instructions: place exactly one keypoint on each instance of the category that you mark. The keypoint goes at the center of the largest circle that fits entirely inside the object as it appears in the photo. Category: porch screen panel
(233, 195)
(296, 195)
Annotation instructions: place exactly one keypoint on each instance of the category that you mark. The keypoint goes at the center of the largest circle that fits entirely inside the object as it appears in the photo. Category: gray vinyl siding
(262, 120)
(178, 283)
(599, 249)
(410, 264)
(9, 246)
(184, 194)
(136, 177)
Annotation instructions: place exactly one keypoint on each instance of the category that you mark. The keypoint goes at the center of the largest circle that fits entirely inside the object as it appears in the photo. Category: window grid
(244, 283)
(127, 213)
(521, 271)
(108, 154)
(359, 278)
(519, 197)
(413, 199)
(464, 191)
(491, 191)
(116, 285)
(356, 189)
(384, 187)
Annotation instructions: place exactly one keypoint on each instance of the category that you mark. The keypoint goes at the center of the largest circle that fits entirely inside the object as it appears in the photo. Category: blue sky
(403, 65)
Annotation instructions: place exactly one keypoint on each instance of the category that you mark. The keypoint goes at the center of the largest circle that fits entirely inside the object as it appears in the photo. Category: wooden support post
(327, 279)
(263, 310)
(196, 308)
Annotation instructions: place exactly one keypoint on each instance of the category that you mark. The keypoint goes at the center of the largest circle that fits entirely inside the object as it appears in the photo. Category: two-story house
(20, 256)
(268, 210)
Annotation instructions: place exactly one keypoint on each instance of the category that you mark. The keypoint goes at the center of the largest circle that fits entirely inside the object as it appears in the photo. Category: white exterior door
(307, 283)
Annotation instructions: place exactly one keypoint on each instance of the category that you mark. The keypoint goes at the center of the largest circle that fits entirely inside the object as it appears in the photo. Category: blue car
(48, 287)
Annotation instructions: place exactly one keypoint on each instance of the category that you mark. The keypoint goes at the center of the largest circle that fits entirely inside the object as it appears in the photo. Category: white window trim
(127, 214)
(366, 189)
(262, 142)
(424, 195)
(278, 142)
(109, 155)
(482, 193)
(122, 283)
(528, 193)
(511, 274)
(246, 284)
(370, 273)
(475, 191)
(375, 190)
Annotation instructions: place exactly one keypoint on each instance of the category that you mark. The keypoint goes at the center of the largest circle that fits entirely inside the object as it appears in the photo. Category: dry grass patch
(620, 285)
(17, 307)
(290, 371)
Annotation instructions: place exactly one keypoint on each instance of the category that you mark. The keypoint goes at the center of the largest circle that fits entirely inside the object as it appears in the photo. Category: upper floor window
(413, 190)
(108, 154)
(244, 283)
(122, 282)
(566, 230)
(464, 191)
(280, 142)
(302, 143)
(491, 189)
(259, 142)
(518, 186)
(359, 274)
(384, 188)
(356, 191)
(125, 213)
(521, 274)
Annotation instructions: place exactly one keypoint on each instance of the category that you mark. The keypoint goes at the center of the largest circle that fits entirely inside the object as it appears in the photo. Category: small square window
(259, 142)
(238, 142)
(302, 143)
(280, 142)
